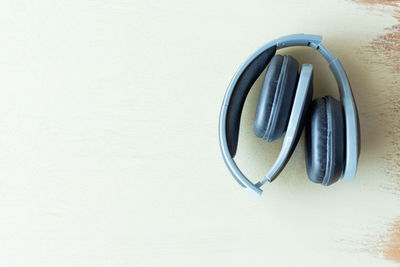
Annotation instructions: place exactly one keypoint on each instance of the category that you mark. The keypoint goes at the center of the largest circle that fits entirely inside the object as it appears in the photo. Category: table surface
(109, 148)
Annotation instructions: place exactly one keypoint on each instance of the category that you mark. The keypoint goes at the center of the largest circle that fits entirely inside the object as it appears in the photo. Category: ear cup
(276, 97)
(325, 141)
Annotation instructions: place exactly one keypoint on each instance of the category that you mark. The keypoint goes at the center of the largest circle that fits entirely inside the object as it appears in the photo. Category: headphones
(331, 126)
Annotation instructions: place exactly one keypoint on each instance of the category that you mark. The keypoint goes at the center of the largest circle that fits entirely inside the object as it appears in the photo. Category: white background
(109, 151)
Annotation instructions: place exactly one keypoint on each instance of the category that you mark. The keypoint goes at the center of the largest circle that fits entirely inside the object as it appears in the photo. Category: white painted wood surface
(109, 153)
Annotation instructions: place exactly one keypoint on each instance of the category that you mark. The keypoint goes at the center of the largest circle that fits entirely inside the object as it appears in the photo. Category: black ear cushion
(276, 97)
(325, 141)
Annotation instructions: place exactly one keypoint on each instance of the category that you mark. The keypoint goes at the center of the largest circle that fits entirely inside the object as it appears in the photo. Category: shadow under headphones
(332, 127)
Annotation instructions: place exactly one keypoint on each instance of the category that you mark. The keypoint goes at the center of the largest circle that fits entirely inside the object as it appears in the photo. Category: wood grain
(384, 49)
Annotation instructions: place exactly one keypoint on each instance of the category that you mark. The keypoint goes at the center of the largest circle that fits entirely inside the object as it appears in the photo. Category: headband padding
(325, 141)
(276, 98)
(239, 94)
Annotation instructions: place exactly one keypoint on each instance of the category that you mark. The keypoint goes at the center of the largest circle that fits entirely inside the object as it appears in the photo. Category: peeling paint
(385, 49)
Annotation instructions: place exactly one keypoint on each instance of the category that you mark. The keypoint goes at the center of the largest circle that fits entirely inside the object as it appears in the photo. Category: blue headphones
(284, 105)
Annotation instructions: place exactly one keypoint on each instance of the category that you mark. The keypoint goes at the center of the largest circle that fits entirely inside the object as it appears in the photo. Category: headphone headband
(244, 78)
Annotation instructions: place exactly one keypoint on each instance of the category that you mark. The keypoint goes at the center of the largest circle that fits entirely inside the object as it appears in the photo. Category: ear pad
(325, 141)
(276, 98)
